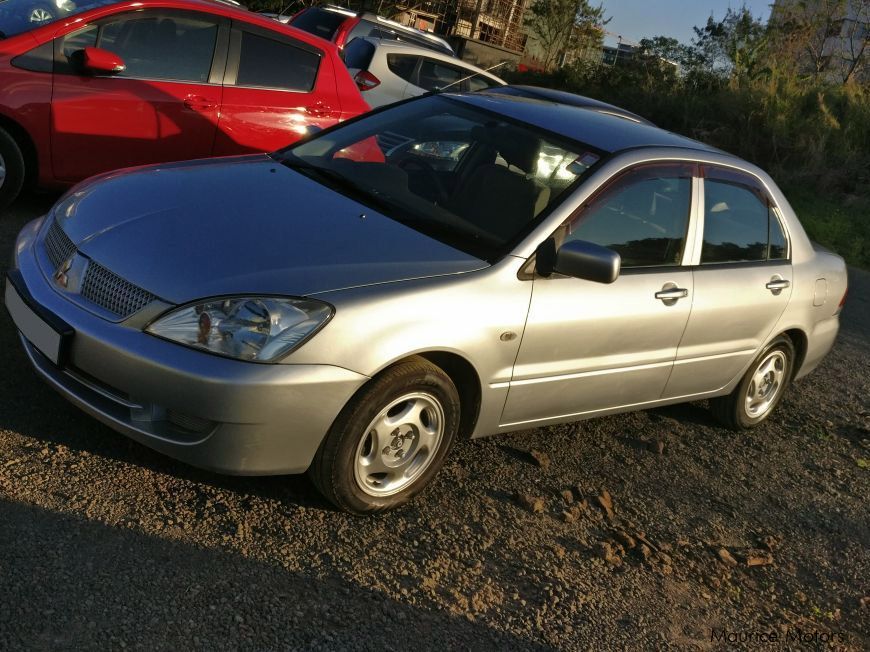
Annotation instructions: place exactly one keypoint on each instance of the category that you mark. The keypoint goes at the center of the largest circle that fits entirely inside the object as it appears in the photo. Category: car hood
(243, 225)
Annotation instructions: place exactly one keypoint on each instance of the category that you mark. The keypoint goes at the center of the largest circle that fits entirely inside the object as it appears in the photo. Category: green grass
(840, 223)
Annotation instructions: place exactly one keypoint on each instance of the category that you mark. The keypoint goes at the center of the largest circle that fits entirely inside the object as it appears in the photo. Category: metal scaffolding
(496, 22)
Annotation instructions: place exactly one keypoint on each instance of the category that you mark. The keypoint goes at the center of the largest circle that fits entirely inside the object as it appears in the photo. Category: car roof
(419, 50)
(564, 97)
(392, 24)
(219, 7)
(606, 132)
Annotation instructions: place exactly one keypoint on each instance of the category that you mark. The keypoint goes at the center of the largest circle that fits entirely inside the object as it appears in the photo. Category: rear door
(275, 87)
(163, 107)
(742, 283)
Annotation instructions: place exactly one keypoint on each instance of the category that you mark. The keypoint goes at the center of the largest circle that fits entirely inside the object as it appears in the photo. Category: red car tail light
(366, 81)
(842, 302)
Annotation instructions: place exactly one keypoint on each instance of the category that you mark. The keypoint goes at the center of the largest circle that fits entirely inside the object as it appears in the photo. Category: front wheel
(390, 440)
(11, 169)
(761, 388)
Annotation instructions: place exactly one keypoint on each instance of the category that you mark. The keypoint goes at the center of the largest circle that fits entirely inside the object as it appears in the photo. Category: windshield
(19, 16)
(465, 176)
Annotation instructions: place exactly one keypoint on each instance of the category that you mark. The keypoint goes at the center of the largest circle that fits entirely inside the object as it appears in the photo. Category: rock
(726, 557)
(568, 496)
(644, 551)
(865, 602)
(656, 446)
(606, 503)
(541, 458)
(770, 542)
(606, 552)
(625, 539)
(762, 559)
(534, 504)
(569, 516)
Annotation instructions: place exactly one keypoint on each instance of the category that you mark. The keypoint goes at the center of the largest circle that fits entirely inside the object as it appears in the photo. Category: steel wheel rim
(40, 15)
(399, 444)
(2, 170)
(766, 384)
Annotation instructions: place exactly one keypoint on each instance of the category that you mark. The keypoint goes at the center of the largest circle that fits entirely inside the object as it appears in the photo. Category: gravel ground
(637, 531)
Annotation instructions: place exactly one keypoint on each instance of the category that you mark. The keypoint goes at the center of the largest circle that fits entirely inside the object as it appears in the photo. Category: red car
(151, 81)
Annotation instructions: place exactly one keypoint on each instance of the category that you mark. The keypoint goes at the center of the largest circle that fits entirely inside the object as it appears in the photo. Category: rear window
(479, 83)
(402, 65)
(358, 54)
(266, 63)
(319, 22)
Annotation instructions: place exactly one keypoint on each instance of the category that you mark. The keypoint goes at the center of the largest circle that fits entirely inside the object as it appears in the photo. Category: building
(483, 32)
(619, 55)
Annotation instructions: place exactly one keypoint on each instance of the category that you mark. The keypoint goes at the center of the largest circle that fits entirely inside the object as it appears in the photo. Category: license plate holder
(47, 332)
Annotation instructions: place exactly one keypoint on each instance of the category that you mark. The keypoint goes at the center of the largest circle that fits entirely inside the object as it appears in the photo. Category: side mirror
(579, 259)
(311, 130)
(98, 61)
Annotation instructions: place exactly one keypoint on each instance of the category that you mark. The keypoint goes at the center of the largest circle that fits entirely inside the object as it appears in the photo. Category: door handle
(776, 285)
(671, 294)
(197, 103)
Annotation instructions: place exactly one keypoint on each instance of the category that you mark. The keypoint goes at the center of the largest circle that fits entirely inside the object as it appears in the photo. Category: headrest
(517, 146)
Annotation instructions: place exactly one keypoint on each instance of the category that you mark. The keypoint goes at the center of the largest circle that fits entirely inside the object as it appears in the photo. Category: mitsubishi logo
(61, 276)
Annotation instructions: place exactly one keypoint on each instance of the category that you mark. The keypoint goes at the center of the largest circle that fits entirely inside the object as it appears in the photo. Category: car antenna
(459, 81)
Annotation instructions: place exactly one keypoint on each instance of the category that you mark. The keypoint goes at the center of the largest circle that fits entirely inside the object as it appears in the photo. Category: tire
(761, 388)
(11, 169)
(390, 440)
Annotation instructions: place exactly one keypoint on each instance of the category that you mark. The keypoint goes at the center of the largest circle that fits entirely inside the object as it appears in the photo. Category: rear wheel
(389, 442)
(11, 169)
(761, 388)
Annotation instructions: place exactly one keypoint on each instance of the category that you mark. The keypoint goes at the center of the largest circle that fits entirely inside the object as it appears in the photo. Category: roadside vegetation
(755, 90)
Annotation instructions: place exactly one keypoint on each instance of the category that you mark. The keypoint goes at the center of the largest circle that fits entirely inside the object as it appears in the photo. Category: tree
(665, 48)
(734, 46)
(559, 26)
(825, 39)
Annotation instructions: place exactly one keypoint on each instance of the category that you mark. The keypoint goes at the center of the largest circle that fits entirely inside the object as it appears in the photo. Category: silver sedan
(454, 266)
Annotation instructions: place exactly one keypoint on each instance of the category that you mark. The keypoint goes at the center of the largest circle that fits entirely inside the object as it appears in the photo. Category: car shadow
(81, 584)
(686, 413)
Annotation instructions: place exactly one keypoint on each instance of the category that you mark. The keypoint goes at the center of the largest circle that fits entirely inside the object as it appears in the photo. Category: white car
(387, 71)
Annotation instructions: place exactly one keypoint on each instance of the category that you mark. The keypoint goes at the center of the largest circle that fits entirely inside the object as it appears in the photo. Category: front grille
(111, 292)
(58, 246)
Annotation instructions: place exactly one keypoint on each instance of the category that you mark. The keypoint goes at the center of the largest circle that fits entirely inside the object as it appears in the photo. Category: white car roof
(416, 50)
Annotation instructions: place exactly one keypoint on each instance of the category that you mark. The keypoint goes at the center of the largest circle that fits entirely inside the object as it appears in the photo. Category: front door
(589, 347)
(162, 107)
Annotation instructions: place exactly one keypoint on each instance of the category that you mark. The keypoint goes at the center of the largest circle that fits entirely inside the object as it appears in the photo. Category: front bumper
(218, 414)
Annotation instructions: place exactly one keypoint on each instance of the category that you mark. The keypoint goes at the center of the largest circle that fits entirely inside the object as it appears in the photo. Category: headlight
(262, 329)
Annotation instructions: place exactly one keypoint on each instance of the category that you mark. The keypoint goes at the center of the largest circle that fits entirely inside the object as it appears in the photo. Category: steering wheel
(409, 161)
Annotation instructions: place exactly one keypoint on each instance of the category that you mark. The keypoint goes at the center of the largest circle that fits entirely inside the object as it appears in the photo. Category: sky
(637, 19)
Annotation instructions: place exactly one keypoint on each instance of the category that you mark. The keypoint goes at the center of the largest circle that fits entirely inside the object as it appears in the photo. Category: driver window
(642, 214)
